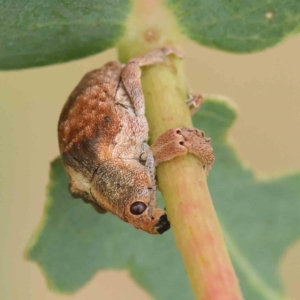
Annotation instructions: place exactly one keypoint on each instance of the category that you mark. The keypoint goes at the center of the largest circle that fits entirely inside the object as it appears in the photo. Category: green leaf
(258, 220)
(36, 33)
(237, 25)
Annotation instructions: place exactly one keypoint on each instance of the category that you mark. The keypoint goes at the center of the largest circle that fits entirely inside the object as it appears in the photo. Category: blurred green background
(265, 86)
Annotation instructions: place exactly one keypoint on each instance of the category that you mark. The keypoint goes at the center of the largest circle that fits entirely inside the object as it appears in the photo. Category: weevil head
(143, 214)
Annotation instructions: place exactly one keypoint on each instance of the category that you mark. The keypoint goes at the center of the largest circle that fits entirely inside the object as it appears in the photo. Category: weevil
(103, 141)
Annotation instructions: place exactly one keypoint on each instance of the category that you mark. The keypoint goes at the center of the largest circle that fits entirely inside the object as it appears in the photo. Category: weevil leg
(144, 152)
(91, 200)
(167, 146)
(150, 165)
(179, 141)
(194, 102)
(156, 56)
(98, 207)
(86, 197)
(131, 75)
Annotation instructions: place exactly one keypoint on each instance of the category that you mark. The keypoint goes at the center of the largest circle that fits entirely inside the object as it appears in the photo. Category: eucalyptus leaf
(237, 25)
(36, 33)
(259, 220)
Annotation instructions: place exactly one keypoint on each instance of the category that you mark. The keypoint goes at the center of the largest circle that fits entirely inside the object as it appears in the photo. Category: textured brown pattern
(90, 108)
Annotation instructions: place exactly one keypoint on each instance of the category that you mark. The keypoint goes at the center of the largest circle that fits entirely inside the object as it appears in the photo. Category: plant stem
(182, 181)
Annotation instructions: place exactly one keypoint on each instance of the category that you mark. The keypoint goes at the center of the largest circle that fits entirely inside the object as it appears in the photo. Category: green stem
(182, 181)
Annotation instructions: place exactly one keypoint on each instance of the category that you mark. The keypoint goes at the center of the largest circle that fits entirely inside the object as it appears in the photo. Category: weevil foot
(179, 141)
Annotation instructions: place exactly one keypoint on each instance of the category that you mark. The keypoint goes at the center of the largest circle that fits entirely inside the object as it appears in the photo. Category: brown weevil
(103, 134)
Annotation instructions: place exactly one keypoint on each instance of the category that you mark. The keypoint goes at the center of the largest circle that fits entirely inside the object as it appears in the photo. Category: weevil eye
(138, 208)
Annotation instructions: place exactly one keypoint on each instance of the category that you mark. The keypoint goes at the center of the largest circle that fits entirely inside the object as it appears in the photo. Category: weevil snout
(163, 224)
(150, 219)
